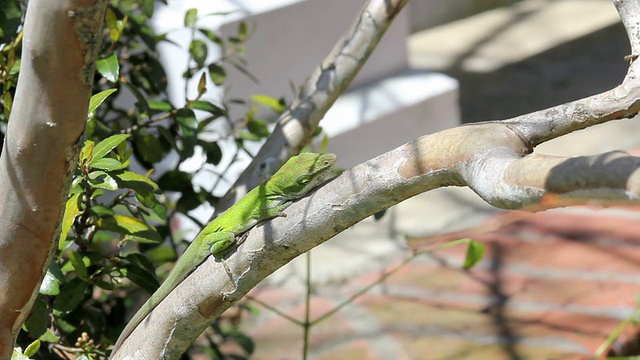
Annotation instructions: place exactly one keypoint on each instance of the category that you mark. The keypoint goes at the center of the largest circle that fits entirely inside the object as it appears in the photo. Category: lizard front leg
(218, 244)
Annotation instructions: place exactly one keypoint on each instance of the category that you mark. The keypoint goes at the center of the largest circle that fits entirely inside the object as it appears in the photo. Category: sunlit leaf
(105, 146)
(268, 101)
(475, 253)
(71, 210)
(158, 105)
(190, 17)
(136, 181)
(98, 98)
(101, 180)
(109, 164)
(8, 102)
(33, 348)
(50, 285)
(109, 67)
(124, 224)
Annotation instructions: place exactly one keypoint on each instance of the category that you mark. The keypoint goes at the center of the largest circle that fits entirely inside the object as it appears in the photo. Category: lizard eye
(305, 180)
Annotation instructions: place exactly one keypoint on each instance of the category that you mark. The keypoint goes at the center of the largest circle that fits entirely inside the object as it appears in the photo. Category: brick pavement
(551, 286)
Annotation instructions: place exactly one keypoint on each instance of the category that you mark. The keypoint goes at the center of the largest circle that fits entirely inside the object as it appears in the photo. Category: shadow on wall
(587, 66)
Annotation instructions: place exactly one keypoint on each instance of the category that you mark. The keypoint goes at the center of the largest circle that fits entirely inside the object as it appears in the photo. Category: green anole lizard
(297, 177)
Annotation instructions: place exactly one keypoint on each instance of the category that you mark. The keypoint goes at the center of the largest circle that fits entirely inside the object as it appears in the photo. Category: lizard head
(302, 173)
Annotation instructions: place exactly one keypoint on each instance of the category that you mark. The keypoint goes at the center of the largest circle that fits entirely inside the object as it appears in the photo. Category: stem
(307, 313)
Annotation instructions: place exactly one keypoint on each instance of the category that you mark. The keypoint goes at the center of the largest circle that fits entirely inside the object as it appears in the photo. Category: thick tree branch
(61, 40)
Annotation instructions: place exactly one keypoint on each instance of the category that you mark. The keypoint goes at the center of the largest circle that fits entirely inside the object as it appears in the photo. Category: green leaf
(109, 67)
(218, 74)
(16, 67)
(49, 337)
(102, 211)
(475, 252)
(161, 106)
(270, 102)
(98, 99)
(242, 31)
(212, 36)
(198, 51)
(168, 137)
(86, 151)
(71, 210)
(324, 143)
(147, 8)
(161, 211)
(136, 182)
(36, 323)
(141, 261)
(188, 201)
(206, 106)
(78, 264)
(112, 24)
(141, 277)
(258, 128)
(188, 123)
(32, 349)
(8, 101)
(175, 180)
(129, 225)
(202, 84)
(71, 295)
(101, 180)
(105, 146)
(109, 164)
(244, 341)
(377, 216)
(149, 147)
(212, 150)
(148, 199)
(190, 17)
(50, 285)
